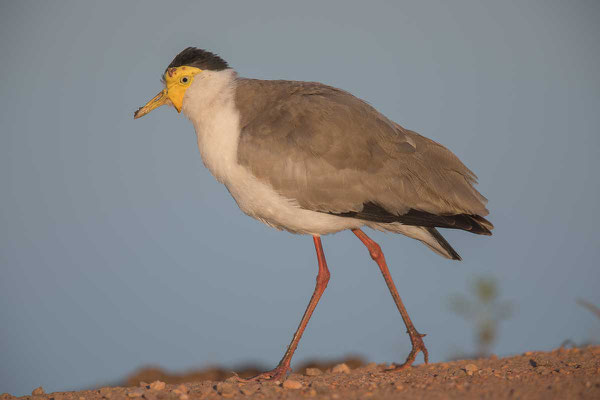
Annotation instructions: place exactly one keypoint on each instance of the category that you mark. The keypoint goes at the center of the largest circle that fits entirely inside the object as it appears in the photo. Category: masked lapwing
(312, 159)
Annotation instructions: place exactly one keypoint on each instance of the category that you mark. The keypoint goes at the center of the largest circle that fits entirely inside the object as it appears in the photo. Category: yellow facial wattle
(177, 80)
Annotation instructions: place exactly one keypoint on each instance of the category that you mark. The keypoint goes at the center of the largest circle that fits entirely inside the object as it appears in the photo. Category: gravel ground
(560, 374)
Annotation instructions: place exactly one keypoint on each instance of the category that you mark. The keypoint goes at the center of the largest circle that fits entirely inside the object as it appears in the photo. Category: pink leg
(415, 337)
(322, 278)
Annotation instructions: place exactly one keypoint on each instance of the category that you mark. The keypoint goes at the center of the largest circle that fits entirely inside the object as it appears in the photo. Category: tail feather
(449, 252)
(426, 235)
(467, 222)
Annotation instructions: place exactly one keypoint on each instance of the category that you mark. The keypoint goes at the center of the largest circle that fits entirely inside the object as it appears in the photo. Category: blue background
(118, 249)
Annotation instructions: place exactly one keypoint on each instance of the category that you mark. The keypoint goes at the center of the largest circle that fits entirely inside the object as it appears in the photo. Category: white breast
(209, 103)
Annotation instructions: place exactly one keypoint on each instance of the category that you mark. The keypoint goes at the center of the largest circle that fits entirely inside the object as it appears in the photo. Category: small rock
(135, 393)
(204, 390)
(470, 369)
(313, 371)
(39, 391)
(249, 390)
(399, 386)
(143, 384)
(225, 389)
(312, 393)
(542, 370)
(528, 353)
(7, 396)
(291, 384)
(158, 385)
(181, 389)
(371, 366)
(341, 369)
(151, 395)
(320, 387)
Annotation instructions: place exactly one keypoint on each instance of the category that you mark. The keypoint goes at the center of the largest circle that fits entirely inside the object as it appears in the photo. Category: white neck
(209, 103)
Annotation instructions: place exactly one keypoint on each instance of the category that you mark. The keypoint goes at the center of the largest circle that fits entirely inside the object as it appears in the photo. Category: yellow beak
(159, 100)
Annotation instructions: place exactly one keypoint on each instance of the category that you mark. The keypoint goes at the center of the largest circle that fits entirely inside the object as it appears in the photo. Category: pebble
(158, 385)
(371, 366)
(341, 369)
(470, 369)
(225, 389)
(542, 370)
(291, 384)
(39, 391)
(143, 384)
(249, 390)
(399, 386)
(313, 371)
(150, 396)
(320, 387)
(181, 389)
(204, 390)
(135, 393)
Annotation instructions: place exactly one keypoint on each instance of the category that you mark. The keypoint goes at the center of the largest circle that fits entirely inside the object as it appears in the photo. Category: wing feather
(332, 152)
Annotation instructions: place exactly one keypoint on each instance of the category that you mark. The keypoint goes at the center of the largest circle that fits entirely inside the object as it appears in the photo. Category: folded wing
(332, 152)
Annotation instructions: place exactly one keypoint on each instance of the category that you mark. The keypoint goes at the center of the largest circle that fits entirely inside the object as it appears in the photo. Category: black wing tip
(444, 243)
(467, 222)
(484, 227)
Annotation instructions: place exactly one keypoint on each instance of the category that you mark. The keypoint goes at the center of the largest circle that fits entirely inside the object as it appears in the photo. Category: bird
(312, 159)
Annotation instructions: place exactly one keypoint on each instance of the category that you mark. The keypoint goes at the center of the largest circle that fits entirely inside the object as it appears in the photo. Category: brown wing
(332, 152)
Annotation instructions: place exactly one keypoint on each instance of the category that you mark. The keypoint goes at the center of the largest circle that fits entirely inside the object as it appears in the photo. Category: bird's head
(179, 75)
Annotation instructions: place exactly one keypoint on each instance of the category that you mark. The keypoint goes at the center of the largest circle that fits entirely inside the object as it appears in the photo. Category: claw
(417, 346)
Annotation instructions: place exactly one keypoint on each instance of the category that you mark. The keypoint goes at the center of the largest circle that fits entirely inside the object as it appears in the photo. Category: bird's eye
(184, 79)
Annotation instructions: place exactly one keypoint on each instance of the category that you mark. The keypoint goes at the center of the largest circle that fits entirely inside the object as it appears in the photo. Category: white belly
(260, 201)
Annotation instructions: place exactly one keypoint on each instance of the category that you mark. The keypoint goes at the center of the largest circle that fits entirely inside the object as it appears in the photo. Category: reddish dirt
(560, 374)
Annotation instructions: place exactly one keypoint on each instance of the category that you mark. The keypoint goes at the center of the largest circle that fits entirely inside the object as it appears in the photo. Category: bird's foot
(277, 374)
(417, 345)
